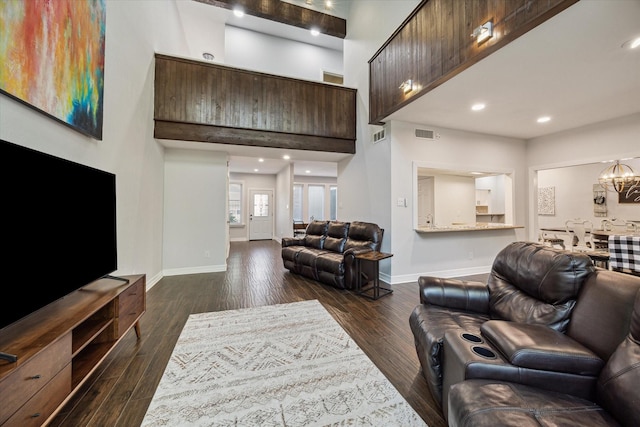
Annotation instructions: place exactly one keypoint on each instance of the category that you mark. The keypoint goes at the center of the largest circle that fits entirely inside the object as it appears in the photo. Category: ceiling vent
(425, 134)
(379, 136)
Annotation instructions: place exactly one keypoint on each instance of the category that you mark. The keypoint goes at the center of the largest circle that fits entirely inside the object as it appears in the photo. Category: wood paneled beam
(249, 137)
(287, 13)
(434, 45)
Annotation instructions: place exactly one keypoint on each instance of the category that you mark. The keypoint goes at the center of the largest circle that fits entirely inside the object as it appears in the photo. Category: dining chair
(582, 230)
(621, 225)
(552, 239)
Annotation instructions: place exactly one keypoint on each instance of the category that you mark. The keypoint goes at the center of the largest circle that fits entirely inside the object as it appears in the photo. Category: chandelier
(618, 177)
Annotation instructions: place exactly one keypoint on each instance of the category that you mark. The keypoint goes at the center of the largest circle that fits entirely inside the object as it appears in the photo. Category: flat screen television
(58, 228)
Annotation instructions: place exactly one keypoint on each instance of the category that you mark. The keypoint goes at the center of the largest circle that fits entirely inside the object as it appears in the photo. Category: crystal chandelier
(618, 177)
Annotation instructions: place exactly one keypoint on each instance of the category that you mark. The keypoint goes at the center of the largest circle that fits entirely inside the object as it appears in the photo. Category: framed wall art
(631, 194)
(52, 59)
(599, 200)
(546, 201)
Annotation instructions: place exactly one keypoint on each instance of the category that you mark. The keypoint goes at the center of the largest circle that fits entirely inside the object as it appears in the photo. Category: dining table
(604, 234)
(601, 252)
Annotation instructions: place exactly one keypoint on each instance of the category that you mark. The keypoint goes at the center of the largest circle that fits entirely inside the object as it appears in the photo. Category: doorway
(261, 214)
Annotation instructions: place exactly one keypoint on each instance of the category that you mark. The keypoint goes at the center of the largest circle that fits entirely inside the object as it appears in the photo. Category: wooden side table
(373, 258)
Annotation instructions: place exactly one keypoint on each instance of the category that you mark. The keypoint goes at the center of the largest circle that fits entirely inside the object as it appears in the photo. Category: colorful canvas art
(52, 58)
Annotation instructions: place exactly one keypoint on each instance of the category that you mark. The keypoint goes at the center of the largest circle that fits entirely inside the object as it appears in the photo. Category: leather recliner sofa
(327, 251)
(549, 339)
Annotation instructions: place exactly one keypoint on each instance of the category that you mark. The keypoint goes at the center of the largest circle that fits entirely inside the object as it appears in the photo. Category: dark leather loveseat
(327, 251)
(548, 340)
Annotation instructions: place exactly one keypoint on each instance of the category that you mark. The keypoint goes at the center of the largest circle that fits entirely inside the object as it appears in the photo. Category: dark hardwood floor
(119, 392)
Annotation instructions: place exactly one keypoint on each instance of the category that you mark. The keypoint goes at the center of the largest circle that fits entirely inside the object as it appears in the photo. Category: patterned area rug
(279, 365)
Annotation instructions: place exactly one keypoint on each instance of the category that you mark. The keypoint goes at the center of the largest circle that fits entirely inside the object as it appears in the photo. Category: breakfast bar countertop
(479, 226)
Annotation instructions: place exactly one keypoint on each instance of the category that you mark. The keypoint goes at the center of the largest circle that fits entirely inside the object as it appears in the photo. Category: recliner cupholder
(471, 337)
(483, 351)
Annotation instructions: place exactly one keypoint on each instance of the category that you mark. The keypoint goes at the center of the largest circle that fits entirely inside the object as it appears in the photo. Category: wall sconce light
(407, 86)
(484, 32)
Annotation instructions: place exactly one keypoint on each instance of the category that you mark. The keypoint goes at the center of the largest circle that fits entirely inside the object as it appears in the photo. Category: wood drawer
(44, 403)
(27, 380)
(131, 305)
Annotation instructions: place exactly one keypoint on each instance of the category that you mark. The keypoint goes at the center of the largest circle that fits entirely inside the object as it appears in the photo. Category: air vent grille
(425, 134)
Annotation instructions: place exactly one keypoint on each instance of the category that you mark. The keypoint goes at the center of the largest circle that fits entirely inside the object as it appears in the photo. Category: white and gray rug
(279, 365)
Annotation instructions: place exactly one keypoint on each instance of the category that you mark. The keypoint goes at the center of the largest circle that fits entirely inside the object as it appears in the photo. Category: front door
(261, 215)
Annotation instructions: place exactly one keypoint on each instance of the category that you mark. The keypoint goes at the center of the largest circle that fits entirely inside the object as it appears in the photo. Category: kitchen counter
(478, 226)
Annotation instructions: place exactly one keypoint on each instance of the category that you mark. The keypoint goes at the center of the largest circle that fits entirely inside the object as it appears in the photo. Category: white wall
(609, 140)
(135, 29)
(364, 180)
(454, 200)
(208, 32)
(284, 203)
(268, 54)
(195, 211)
(454, 253)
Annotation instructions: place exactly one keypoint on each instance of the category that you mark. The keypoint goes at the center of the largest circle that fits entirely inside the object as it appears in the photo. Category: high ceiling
(573, 68)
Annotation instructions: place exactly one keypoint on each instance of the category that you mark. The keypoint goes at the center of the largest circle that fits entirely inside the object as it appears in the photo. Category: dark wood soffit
(249, 137)
(287, 13)
(489, 49)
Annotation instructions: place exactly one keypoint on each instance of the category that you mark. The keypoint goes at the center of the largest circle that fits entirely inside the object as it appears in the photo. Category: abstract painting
(52, 59)
(546, 201)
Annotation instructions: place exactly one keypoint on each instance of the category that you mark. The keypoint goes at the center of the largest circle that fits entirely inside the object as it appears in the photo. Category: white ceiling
(572, 68)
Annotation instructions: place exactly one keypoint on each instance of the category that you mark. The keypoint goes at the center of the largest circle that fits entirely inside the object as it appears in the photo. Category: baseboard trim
(195, 270)
(406, 278)
(153, 280)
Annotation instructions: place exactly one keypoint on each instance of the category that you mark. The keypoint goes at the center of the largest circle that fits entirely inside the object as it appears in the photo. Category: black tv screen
(58, 228)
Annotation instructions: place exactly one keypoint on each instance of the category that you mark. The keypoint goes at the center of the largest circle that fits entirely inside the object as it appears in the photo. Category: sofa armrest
(454, 293)
(292, 241)
(540, 347)
(356, 251)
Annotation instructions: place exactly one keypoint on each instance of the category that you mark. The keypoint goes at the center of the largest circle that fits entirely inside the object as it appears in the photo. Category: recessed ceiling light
(307, 171)
(478, 107)
(315, 32)
(543, 119)
(238, 12)
(286, 157)
(255, 170)
(261, 160)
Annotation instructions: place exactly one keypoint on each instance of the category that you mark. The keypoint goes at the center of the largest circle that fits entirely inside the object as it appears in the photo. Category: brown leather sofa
(548, 340)
(327, 251)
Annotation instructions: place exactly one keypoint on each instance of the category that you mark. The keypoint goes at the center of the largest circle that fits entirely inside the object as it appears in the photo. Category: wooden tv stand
(59, 346)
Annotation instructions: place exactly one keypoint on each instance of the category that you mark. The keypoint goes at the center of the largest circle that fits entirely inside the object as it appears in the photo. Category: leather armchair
(615, 395)
(528, 283)
(552, 340)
